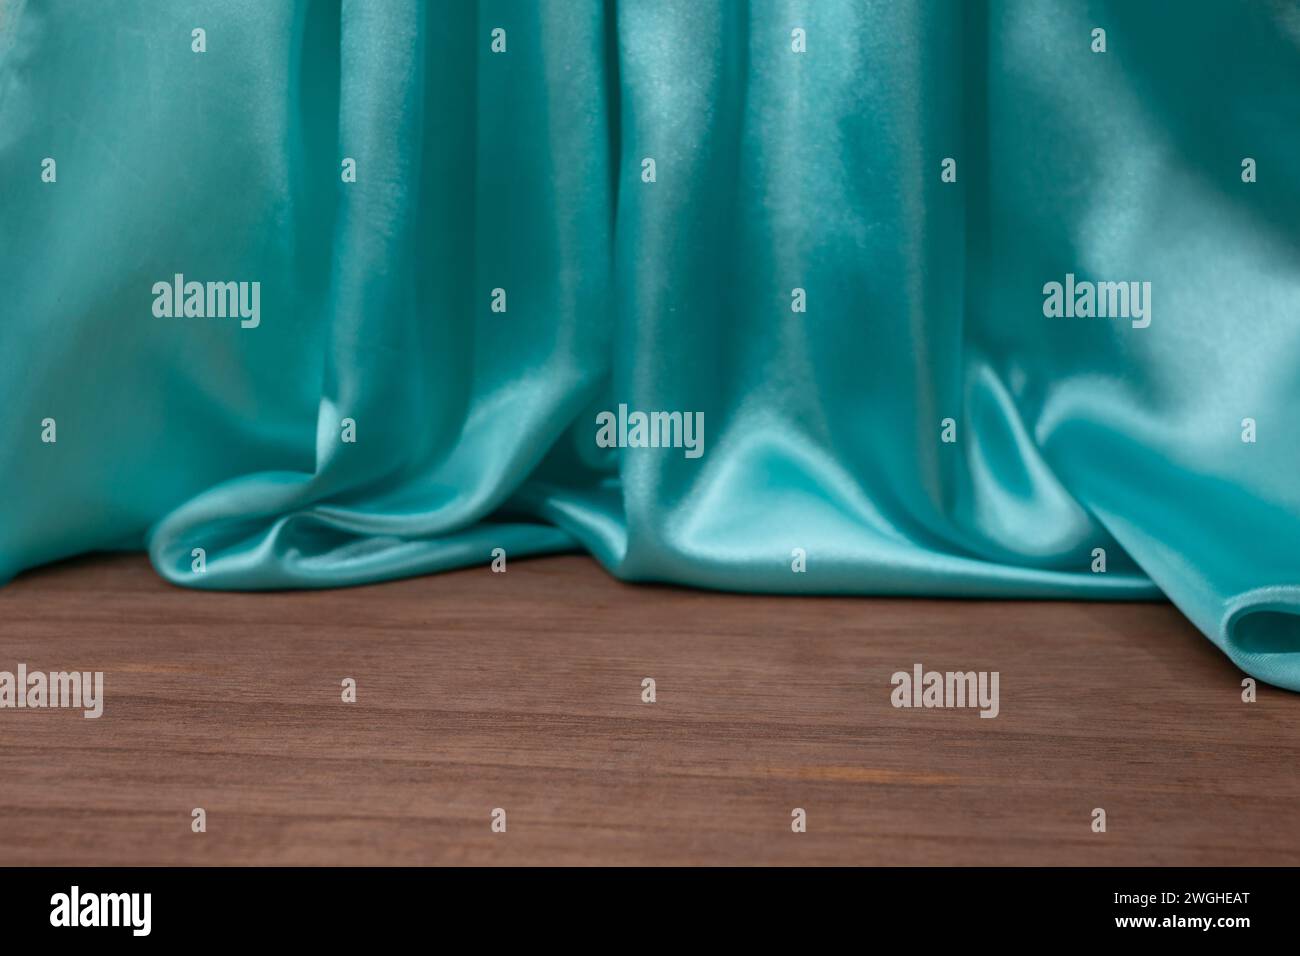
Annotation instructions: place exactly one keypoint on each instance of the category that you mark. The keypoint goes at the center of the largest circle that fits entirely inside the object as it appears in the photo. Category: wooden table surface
(523, 691)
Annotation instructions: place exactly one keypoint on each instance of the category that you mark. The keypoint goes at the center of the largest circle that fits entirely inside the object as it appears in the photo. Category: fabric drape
(506, 267)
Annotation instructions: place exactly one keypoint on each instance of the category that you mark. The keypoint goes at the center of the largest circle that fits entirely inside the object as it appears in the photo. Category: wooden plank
(523, 691)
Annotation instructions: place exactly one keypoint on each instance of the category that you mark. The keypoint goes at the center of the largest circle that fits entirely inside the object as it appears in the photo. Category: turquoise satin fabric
(775, 170)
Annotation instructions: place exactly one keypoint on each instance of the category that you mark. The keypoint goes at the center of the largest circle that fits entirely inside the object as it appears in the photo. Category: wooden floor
(523, 691)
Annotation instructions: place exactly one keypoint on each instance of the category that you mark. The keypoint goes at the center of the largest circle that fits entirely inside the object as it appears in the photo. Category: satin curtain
(774, 170)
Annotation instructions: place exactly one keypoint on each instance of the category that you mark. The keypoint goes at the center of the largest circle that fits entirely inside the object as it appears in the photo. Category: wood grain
(523, 691)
